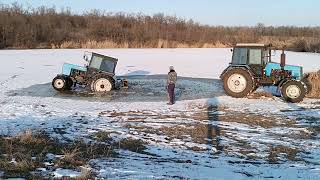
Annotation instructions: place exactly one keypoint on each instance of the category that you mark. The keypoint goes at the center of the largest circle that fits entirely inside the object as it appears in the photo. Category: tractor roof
(252, 45)
(104, 57)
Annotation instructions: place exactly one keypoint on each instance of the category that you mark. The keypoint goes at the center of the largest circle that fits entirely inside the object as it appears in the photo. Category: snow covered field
(206, 135)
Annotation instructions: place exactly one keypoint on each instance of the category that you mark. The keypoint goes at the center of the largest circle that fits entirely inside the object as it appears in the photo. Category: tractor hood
(296, 71)
(66, 69)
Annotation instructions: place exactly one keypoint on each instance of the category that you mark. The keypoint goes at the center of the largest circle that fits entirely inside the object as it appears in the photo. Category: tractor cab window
(240, 56)
(96, 62)
(255, 56)
(265, 56)
(105, 64)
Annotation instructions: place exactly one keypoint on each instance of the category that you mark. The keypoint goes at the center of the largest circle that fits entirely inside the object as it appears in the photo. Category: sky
(208, 12)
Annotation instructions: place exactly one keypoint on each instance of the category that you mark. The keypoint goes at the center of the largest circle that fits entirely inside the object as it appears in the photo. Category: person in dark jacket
(171, 83)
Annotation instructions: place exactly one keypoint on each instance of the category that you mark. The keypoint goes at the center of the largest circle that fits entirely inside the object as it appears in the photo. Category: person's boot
(169, 103)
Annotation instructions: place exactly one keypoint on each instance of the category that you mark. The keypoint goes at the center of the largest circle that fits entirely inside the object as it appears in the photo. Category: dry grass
(85, 174)
(133, 145)
(91, 44)
(18, 152)
(312, 81)
(102, 136)
(300, 44)
(21, 154)
(71, 158)
(292, 43)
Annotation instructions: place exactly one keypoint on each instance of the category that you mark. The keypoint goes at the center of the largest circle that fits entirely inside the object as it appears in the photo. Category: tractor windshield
(103, 63)
(240, 56)
(250, 56)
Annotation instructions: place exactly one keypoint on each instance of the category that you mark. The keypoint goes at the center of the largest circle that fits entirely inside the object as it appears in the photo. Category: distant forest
(44, 27)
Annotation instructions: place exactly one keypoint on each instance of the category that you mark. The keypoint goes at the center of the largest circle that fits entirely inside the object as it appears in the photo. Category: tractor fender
(282, 82)
(245, 68)
(63, 76)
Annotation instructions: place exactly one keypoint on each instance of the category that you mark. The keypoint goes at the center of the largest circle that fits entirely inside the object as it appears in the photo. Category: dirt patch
(312, 81)
(261, 95)
(278, 153)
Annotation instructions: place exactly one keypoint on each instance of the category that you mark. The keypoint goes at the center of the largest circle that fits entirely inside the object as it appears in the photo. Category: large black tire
(69, 83)
(60, 83)
(293, 91)
(238, 83)
(102, 83)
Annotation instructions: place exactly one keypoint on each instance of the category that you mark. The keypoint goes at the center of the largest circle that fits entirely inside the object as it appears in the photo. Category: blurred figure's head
(171, 68)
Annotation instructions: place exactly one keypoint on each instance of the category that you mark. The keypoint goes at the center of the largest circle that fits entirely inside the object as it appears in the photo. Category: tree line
(45, 27)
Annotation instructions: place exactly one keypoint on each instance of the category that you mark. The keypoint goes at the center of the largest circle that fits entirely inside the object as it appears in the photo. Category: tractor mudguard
(246, 68)
(282, 82)
(66, 68)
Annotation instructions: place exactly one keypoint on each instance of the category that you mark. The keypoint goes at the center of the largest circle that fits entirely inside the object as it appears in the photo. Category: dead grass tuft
(312, 81)
(103, 136)
(133, 145)
(85, 174)
(71, 158)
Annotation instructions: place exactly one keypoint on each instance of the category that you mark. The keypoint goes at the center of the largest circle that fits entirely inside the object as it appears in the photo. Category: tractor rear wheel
(293, 91)
(59, 83)
(238, 83)
(102, 83)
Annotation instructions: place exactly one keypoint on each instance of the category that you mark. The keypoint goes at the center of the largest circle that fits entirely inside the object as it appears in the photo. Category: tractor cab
(256, 56)
(101, 63)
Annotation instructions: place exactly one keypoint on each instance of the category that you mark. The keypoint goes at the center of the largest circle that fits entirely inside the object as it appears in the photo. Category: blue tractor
(97, 76)
(251, 67)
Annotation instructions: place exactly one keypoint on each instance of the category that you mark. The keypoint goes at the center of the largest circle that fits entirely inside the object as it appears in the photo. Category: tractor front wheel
(102, 84)
(238, 83)
(60, 83)
(293, 91)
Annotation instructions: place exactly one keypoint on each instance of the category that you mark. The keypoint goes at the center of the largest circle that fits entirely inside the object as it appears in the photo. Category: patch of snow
(41, 169)
(59, 173)
(50, 156)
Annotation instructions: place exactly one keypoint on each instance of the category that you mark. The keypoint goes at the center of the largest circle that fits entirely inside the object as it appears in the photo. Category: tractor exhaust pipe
(283, 60)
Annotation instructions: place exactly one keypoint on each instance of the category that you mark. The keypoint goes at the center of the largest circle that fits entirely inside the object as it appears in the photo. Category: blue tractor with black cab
(251, 67)
(97, 76)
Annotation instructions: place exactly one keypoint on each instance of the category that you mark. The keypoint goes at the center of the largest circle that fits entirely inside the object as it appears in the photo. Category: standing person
(171, 83)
